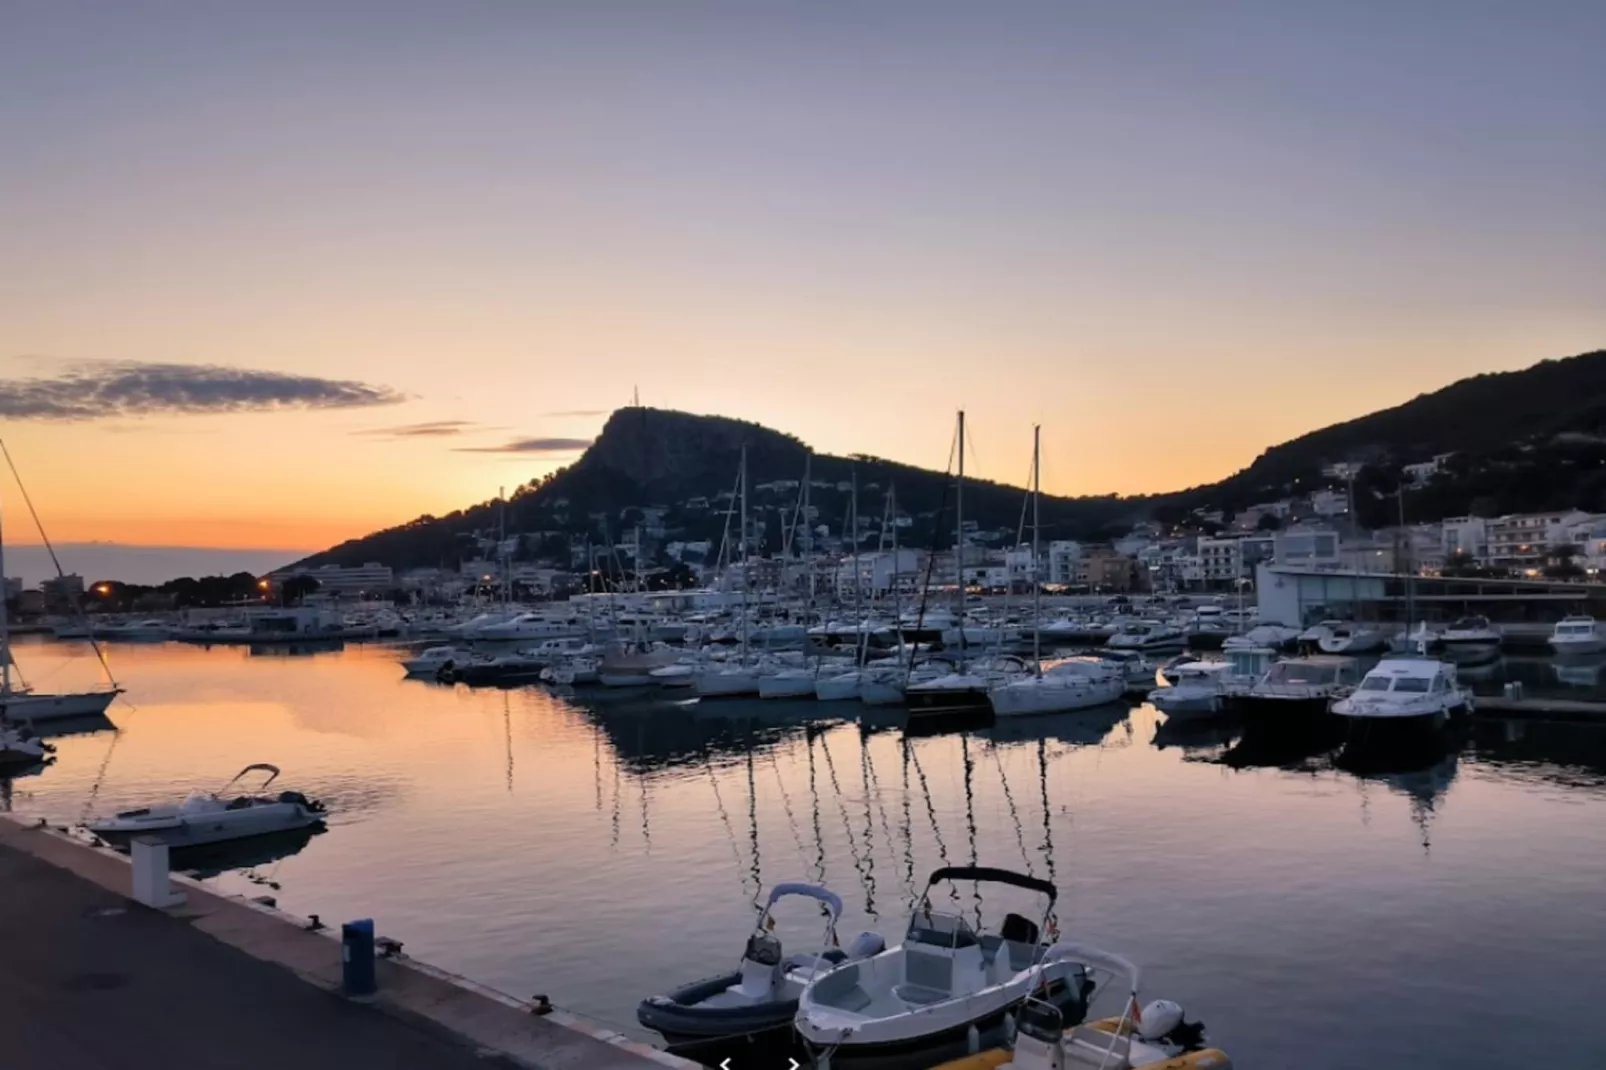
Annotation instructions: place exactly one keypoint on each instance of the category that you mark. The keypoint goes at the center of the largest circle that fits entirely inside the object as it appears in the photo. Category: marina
(471, 822)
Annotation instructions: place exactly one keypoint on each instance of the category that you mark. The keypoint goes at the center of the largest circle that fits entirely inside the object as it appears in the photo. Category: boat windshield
(1295, 672)
(1469, 624)
(941, 930)
(1418, 684)
(1375, 683)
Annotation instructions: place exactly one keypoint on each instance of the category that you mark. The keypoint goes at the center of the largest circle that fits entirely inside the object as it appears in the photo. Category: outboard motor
(762, 972)
(1164, 1021)
(1038, 1033)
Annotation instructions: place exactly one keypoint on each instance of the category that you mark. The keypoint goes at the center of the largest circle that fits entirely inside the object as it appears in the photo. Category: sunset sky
(274, 275)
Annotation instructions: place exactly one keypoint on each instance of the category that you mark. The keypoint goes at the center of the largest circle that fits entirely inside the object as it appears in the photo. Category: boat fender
(866, 944)
(1158, 1019)
(972, 1040)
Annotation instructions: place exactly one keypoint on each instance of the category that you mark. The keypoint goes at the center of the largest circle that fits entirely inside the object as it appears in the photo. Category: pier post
(357, 973)
(151, 884)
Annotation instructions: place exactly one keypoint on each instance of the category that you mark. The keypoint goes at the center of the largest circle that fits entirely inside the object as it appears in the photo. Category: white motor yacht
(1577, 635)
(1312, 637)
(1147, 637)
(726, 680)
(946, 989)
(1196, 689)
(1471, 639)
(963, 691)
(432, 660)
(1246, 667)
(1135, 668)
(207, 817)
(1403, 699)
(1295, 694)
(1276, 636)
(1352, 639)
(531, 626)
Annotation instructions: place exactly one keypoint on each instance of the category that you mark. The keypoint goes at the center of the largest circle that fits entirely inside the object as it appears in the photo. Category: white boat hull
(1047, 695)
(841, 688)
(38, 708)
(1593, 644)
(1185, 699)
(188, 831)
(790, 683)
(727, 683)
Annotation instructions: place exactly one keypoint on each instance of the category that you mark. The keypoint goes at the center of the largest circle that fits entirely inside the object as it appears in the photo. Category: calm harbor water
(599, 848)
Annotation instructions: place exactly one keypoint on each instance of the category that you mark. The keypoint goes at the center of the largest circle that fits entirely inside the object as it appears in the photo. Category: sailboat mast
(5, 629)
(959, 544)
(747, 576)
(858, 581)
(897, 567)
(1037, 536)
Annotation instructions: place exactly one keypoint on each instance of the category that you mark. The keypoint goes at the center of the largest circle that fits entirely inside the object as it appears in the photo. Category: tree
(295, 589)
(1268, 522)
(1460, 564)
(1559, 563)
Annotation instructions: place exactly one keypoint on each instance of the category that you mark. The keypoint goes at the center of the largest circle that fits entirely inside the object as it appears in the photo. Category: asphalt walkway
(90, 980)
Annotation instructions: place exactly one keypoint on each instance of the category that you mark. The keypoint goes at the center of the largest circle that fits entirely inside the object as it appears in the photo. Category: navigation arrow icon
(725, 1064)
(795, 1064)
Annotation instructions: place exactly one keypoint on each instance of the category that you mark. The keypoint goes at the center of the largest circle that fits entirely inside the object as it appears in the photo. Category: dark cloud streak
(531, 445)
(127, 388)
(432, 429)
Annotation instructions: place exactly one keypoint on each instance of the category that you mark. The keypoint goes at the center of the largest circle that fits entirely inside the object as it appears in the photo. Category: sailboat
(18, 702)
(1071, 685)
(727, 680)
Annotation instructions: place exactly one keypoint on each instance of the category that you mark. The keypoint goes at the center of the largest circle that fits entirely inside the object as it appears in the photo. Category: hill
(680, 465)
(1529, 439)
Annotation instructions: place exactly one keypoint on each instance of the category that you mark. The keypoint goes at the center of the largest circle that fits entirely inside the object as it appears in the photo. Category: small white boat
(1403, 696)
(759, 997)
(1197, 688)
(1157, 1035)
(1577, 635)
(1312, 637)
(945, 988)
(1471, 639)
(1062, 687)
(1296, 694)
(206, 817)
(1138, 672)
(20, 746)
(1351, 639)
(432, 660)
(1275, 636)
(1147, 636)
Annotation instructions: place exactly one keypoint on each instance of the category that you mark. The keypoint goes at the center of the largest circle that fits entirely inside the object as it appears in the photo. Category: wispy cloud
(125, 388)
(432, 429)
(532, 445)
(575, 412)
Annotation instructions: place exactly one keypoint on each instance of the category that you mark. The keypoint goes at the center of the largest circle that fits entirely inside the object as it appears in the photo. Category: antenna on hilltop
(635, 397)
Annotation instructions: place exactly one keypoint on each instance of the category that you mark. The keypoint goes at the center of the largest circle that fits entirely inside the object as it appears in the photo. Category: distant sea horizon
(146, 565)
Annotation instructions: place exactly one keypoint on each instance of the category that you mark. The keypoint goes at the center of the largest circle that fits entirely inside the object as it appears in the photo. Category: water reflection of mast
(752, 819)
(970, 816)
(931, 812)
(641, 782)
(908, 828)
(866, 879)
(1014, 811)
(880, 800)
(725, 819)
(1048, 825)
(507, 737)
(814, 802)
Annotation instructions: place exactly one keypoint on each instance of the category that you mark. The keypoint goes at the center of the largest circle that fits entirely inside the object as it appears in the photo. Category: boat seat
(840, 989)
(928, 978)
(919, 995)
(1022, 956)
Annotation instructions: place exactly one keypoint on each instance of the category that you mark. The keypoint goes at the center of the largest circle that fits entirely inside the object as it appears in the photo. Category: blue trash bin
(357, 976)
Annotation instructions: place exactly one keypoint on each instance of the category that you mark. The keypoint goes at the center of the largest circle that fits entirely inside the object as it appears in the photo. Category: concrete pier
(91, 979)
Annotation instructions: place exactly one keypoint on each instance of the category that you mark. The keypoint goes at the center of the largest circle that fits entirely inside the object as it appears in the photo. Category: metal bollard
(357, 977)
